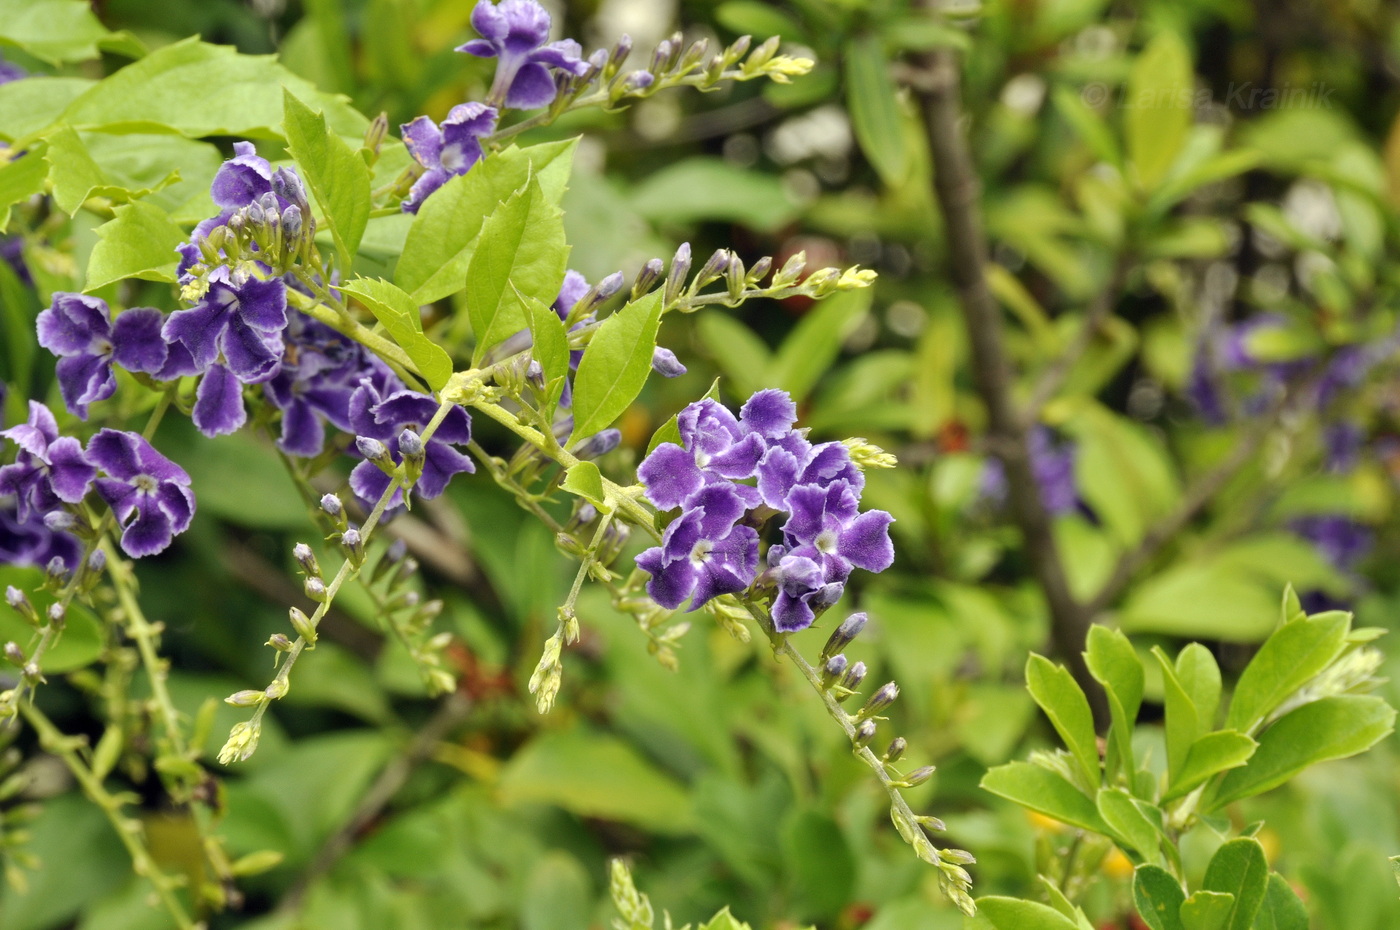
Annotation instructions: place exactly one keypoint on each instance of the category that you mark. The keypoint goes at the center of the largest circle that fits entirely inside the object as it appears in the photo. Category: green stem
(340, 321)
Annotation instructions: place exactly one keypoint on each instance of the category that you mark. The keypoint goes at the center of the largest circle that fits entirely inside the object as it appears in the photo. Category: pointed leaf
(874, 108)
(549, 346)
(615, 365)
(1063, 701)
(584, 479)
(21, 179)
(1208, 756)
(1331, 728)
(1115, 665)
(1158, 108)
(1044, 791)
(1016, 914)
(1183, 725)
(1292, 656)
(1281, 909)
(522, 252)
(1130, 824)
(338, 177)
(397, 312)
(139, 243)
(1158, 897)
(1239, 868)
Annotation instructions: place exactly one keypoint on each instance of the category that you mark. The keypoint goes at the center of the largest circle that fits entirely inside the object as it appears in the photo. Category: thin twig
(956, 187)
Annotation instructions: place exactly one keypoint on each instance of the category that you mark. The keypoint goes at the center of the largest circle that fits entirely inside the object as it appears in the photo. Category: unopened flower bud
(620, 51)
(333, 508)
(286, 184)
(60, 521)
(407, 569)
(957, 856)
(411, 445)
(896, 750)
(661, 57)
(734, 277)
(57, 569)
(97, 561)
(389, 560)
(600, 443)
(739, 48)
(676, 276)
(918, 776)
(854, 676)
(713, 268)
(271, 208)
(791, 271)
(32, 673)
(276, 689)
(14, 654)
(315, 589)
(665, 363)
(694, 54)
(301, 623)
(759, 270)
(376, 452)
(865, 732)
(57, 613)
(377, 132)
(246, 698)
(646, 278)
(242, 741)
(844, 634)
(280, 642)
(253, 213)
(638, 81)
(763, 54)
(880, 700)
(868, 455)
(832, 671)
(354, 545)
(598, 60)
(307, 560)
(20, 602)
(291, 224)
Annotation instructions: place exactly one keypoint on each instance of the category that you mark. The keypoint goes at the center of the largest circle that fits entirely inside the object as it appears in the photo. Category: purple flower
(803, 589)
(385, 418)
(319, 374)
(242, 179)
(515, 32)
(447, 150)
(1052, 464)
(703, 553)
(30, 542)
(149, 495)
(49, 471)
(1342, 541)
(826, 526)
(80, 330)
(240, 318)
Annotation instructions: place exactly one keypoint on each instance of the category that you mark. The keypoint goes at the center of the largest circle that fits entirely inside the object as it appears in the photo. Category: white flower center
(100, 346)
(825, 542)
(700, 554)
(452, 159)
(145, 483)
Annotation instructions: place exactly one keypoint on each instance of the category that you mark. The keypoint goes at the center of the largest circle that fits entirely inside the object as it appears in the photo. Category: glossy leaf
(1115, 665)
(1291, 657)
(399, 315)
(55, 31)
(1063, 701)
(1131, 824)
(1281, 909)
(584, 479)
(615, 365)
(1207, 757)
(1016, 914)
(1239, 868)
(1207, 910)
(1044, 791)
(521, 253)
(338, 177)
(1158, 897)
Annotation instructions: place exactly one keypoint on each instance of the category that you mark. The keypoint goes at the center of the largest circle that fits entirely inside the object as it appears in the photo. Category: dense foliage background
(1212, 184)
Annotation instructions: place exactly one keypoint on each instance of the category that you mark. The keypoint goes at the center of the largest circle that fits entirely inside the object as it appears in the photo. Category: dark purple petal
(302, 432)
(70, 325)
(455, 428)
(423, 140)
(177, 502)
(791, 613)
(136, 340)
(481, 48)
(769, 413)
(119, 495)
(440, 465)
(722, 508)
(263, 304)
(729, 567)
(405, 408)
(218, 405)
(158, 466)
(362, 420)
(198, 329)
(242, 179)
(671, 580)
(707, 426)
(739, 460)
(70, 473)
(682, 535)
(250, 353)
(831, 461)
(490, 23)
(865, 542)
(670, 476)
(369, 484)
(532, 88)
(83, 380)
(117, 453)
(178, 363)
(149, 534)
(807, 505)
(431, 180)
(777, 473)
(566, 55)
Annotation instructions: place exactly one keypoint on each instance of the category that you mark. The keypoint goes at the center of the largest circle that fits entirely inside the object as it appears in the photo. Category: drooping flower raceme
(447, 150)
(516, 33)
(49, 471)
(149, 495)
(79, 329)
(385, 419)
(706, 551)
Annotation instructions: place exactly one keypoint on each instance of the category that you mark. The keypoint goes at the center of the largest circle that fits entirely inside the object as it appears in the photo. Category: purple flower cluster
(712, 547)
(447, 150)
(149, 494)
(516, 34)
(387, 418)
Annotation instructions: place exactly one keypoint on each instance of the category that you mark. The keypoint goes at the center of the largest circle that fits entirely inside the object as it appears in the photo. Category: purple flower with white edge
(240, 318)
(704, 552)
(149, 495)
(242, 179)
(80, 330)
(803, 589)
(446, 150)
(515, 33)
(825, 525)
(31, 542)
(385, 418)
(49, 471)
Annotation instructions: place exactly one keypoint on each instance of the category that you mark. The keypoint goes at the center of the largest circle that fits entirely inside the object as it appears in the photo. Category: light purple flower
(80, 330)
(30, 542)
(149, 495)
(1342, 541)
(703, 553)
(1052, 463)
(242, 179)
(447, 150)
(515, 33)
(826, 526)
(384, 419)
(803, 589)
(240, 318)
(49, 471)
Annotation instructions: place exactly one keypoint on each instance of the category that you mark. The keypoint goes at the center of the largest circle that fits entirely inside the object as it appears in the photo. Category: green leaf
(76, 175)
(1183, 724)
(29, 105)
(549, 346)
(1044, 791)
(1203, 599)
(338, 177)
(1199, 675)
(725, 921)
(1063, 701)
(399, 315)
(875, 110)
(1207, 910)
(1240, 869)
(557, 892)
(1281, 909)
(1115, 665)
(1208, 756)
(444, 234)
(814, 343)
(607, 778)
(1124, 472)
(1158, 897)
(705, 188)
(1290, 658)
(584, 479)
(20, 180)
(1088, 124)
(1331, 728)
(55, 31)
(670, 431)
(1130, 824)
(1016, 914)
(195, 89)
(521, 252)
(615, 365)
(139, 243)
(1158, 107)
